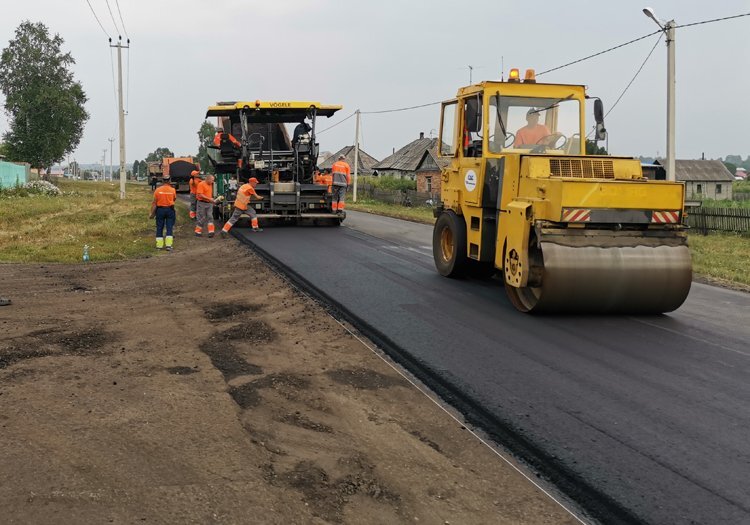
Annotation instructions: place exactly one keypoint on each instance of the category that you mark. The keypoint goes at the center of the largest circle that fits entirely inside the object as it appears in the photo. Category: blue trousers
(164, 217)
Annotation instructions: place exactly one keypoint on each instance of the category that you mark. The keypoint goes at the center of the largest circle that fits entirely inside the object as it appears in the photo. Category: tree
(732, 167)
(45, 104)
(205, 138)
(136, 166)
(592, 148)
(159, 154)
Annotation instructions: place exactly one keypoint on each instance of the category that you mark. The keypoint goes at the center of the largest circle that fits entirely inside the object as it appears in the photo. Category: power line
(639, 39)
(713, 20)
(337, 123)
(112, 17)
(600, 53)
(117, 3)
(97, 19)
(401, 109)
(638, 72)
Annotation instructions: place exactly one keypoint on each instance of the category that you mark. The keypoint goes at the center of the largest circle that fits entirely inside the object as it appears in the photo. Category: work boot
(210, 235)
(169, 248)
(257, 229)
(224, 234)
(198, 234)
(4, 301)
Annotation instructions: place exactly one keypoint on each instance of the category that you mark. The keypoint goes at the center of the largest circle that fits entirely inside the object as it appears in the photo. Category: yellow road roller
(568, 232)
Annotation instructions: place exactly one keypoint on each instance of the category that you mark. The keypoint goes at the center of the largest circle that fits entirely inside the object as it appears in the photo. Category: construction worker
(242, 205)
(204, 206)
(195, 179)
(222, 137)
(162, 208)
(341, 179)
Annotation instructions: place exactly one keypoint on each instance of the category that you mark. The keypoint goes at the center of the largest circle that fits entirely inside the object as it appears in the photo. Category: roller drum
(593, 279)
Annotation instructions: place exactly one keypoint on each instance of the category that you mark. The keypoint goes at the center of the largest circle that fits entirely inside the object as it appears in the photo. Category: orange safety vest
(244, 195)
(226, 136)
(164, 196)
(204, 192)
(341, 173)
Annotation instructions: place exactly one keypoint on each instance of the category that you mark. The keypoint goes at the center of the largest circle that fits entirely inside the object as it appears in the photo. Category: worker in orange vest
(204, 206)
(162, 208)
(242, 205)
(221, 136)
(341, 180)
(195, 179)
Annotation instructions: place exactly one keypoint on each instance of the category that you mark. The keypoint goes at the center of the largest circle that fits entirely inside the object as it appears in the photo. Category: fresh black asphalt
(640, 419)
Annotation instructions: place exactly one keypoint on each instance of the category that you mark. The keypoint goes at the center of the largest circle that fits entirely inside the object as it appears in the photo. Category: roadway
(639, 419)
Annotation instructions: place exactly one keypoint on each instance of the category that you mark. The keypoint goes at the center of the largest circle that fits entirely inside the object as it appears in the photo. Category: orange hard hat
(252, 180)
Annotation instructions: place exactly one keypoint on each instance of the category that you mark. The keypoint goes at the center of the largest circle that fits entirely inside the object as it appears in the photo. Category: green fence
(12, 174)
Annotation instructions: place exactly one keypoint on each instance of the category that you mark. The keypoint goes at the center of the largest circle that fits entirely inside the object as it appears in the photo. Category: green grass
(417, 214)
(54, 229)
(722, 256)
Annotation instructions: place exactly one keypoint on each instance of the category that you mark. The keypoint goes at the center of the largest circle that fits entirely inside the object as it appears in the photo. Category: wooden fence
(719, 219)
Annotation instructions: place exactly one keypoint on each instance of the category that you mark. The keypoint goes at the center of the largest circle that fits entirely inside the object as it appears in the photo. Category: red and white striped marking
(665, 217)
(576, 215)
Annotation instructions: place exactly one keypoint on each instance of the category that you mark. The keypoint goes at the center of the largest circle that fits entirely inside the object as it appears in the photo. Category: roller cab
(566, 231)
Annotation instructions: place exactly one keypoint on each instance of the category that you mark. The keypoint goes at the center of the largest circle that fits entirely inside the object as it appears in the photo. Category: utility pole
(104, 160)
(110, 157)
(668, 29)
(121, 111)
(356, 158)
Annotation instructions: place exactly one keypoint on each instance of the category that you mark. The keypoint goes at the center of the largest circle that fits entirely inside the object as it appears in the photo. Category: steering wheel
(544, 143)
(510, 138)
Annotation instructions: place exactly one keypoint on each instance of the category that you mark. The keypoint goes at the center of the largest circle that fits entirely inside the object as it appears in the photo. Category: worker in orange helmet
(195, 179)
(204, 206)
(162, 208)
(242, 205)
(341, 180)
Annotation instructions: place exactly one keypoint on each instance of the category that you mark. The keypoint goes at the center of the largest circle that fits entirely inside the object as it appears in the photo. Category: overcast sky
(386, 54)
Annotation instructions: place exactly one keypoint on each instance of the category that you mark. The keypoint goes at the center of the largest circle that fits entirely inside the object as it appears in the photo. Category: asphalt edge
(596, 504)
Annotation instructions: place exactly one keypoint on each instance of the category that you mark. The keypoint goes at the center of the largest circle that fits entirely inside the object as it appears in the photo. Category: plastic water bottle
(85, 253)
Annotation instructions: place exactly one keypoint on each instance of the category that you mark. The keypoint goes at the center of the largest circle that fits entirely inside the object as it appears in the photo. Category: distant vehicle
(178, 169)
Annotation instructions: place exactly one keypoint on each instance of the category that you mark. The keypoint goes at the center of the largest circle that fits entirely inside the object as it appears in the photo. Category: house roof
(699, 170)
(410, 156)
(366, 161)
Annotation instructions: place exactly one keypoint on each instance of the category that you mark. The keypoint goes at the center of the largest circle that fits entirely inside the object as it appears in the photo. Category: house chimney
(703, 156)
(421, 134)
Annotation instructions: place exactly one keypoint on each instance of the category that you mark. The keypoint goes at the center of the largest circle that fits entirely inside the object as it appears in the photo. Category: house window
(699, 188)
(718, 189)
(429, 184)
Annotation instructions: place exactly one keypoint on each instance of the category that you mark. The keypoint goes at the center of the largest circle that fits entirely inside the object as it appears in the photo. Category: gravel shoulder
(198, 387)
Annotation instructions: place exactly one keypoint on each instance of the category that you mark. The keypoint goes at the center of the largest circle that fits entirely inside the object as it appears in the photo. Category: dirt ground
(198, 387)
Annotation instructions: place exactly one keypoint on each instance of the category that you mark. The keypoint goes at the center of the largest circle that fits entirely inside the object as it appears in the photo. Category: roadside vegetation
(388, 183)
(421, 214)
(42, 226)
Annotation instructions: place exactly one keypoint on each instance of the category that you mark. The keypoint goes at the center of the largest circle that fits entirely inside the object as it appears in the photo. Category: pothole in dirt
(427, 441)
(253, 331)
(327, 497)
(288, 385)
(226, 359)
(246, 396)
(364, 379)
(181, 370)
(84, 341)
(221, 311)
(88, 341)
(298, 420)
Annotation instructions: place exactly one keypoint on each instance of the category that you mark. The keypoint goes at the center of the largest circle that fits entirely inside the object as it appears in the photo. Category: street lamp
(668, 28)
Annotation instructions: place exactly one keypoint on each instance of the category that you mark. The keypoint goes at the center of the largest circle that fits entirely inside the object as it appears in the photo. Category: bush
(390, 183)
(30, 189)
